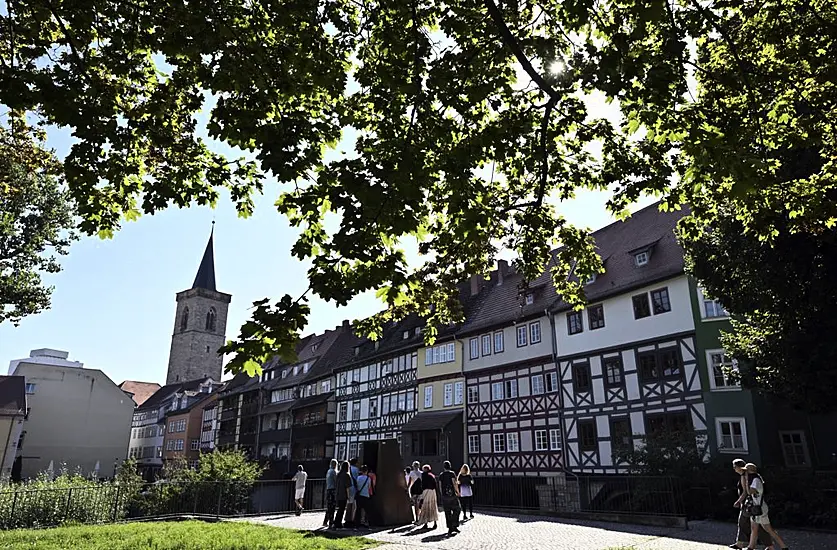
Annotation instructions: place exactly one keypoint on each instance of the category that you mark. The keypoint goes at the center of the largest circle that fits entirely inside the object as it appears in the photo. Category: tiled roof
(168, 390)
(12, 395)
(140, 391)
(430, 420)
(648, 227)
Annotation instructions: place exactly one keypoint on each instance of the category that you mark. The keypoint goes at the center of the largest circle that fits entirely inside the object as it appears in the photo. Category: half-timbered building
(376, 388)
(513, 424)
(627, 363)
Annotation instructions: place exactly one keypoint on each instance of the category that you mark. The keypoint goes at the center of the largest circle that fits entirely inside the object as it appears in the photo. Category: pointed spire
(206, 272)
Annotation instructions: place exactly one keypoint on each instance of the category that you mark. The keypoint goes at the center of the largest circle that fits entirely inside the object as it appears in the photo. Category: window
(343, 412)
(660, 300)
(641, 259)
(669, 424)
(184, 319)
(473, 444)
(595, 315)
(794, 448)
(306, 367)
(732, 434)
(474, 345)
(353, 450)
(511, 389)
(530, 299)
(537, 384)
(497, 391)
(373, 407)
(448, 395)
(473, 394)
(621, 438)
(713, 309)
(512, 443)
(656, 365)
(613, 371)
(443, 353)
(587, 437)
(406, 335)
(195, 444)
(326, 385)
(535, 332)
(575, 324)
(210, 320)
(170, 445)
(172, 427)
(581, 377)
(554, 440)
(385, 405)
(499, 344)
(499, 443)
(522, 335)
(428, 397)
(551, 381)
(160, 452)
(458, 391)
(719, 365)
(417, 331)
(30, 388)
(355, 410)
(641, 307)
(486, 344)
(356, 376)
(541, 441)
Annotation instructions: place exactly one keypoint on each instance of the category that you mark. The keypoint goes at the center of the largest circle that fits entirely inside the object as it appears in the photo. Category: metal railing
(110, 502)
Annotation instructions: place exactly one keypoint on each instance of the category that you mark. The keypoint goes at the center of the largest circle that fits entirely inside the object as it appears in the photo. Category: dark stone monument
(390, 504)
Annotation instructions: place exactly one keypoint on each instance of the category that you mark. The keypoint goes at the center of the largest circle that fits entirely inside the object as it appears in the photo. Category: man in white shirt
(300, 478)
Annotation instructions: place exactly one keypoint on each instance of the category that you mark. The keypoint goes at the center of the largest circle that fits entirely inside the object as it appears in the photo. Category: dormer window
(357, 351)
(418, 331)
(314, 347)
(306, 367)
(377, 345)
(296, 370)
(530, 299)
(591, 279)
(641, 258)
(285, 373)
(406, 334)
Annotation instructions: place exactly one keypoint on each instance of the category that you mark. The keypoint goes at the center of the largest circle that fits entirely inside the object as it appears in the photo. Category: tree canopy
(463, 122)
(36, 220)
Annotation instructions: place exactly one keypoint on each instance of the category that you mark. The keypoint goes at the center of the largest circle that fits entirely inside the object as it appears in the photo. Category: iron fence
(509, 492)
(110, 502)
(633, 495)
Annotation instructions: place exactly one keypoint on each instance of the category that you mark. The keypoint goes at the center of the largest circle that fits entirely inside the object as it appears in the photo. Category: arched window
(210, 320)
(184, 319)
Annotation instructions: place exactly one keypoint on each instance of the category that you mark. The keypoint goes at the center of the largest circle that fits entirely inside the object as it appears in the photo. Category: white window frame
(326, 385)
(499, 341)
(501, 438)
(495, 395)
(428, 397)
(538, 386)
(473, 394)
(451, 352)
(486, 344)
(740, 420)
(195, 445)
(512, 442)
(703, 300)
(448, 394)
(530, 299)
(474, 346)
(473, 444)
(532, 326)
(458, 393)
(710, 371)
(522, 331)
(510, 389)
(545, 443)
(554, 439)
(551, 377)
(641, 259)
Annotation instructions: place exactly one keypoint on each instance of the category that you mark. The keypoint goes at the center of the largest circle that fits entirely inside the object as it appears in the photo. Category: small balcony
(229, 414)
(275, 436)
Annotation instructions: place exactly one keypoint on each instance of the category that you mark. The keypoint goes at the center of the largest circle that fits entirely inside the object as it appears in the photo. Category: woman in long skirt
(429, 505)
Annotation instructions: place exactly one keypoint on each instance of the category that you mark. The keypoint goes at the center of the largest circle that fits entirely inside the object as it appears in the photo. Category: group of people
(456, 491)
(349, 489)
(753, 522)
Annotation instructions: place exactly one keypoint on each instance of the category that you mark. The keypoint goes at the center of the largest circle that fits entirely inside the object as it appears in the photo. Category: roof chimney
(476, 284)
(502, 270)
(346, 324)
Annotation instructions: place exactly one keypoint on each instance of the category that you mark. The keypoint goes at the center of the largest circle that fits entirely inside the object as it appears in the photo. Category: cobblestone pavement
(498, 531)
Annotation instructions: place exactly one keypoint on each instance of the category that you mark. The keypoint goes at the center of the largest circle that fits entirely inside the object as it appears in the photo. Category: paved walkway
(497, 531)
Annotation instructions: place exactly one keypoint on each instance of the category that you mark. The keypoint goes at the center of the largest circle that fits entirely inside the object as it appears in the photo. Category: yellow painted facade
(444, 359)
(436, 360)
(445, 395)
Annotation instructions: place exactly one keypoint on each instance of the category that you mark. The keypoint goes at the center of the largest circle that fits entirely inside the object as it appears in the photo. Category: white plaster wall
(511, 353)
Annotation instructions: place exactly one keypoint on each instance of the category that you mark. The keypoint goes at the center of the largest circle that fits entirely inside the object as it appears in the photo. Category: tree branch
(547, 115)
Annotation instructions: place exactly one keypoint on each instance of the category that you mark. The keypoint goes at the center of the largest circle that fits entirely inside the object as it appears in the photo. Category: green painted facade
(721, 403)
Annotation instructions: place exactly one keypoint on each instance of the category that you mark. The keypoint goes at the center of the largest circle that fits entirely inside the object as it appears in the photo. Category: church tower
(199, 326)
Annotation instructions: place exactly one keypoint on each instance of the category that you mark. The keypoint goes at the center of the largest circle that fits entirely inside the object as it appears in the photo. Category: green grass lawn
(182, 535)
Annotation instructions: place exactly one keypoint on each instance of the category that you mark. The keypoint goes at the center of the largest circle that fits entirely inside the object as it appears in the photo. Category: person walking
(429, 506)
(364, 487)
(343, 484)
(744, 527)
(466, 491)
(331, 493)
(758, 504)
(450, 498)
(300, 478)
(414, 489)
